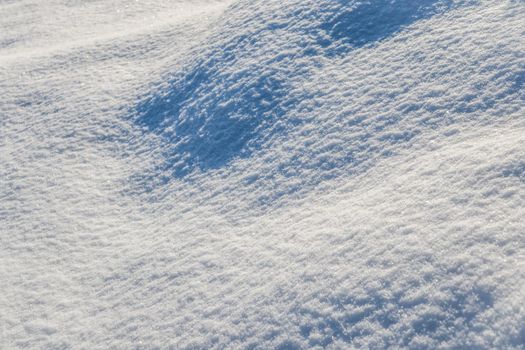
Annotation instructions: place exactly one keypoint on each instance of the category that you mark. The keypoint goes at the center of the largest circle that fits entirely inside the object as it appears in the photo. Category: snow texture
(262, 174)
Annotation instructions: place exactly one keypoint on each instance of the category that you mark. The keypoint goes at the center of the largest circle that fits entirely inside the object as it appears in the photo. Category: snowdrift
(228, 99)
(244, 174)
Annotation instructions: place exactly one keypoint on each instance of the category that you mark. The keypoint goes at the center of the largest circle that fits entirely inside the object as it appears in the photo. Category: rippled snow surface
(262, 174)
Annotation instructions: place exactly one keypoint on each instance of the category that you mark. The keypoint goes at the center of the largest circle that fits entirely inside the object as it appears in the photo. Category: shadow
(373, 20)
(349, 316)
(518, 82)
(515, 171)
(227, 104)
(288, 345)
(210, 113)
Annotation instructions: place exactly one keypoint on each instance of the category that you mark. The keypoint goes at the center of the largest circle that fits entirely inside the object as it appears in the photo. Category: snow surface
(254, 174)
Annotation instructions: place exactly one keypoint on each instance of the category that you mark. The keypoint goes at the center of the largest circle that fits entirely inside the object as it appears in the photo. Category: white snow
(249, 174)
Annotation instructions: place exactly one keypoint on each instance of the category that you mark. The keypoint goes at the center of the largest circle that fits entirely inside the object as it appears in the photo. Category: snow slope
(255, 174)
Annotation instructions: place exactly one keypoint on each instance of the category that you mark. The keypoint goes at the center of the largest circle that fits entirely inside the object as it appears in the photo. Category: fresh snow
(262, 174)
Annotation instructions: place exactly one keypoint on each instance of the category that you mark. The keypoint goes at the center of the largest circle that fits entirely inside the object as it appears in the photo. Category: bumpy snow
(262, 174)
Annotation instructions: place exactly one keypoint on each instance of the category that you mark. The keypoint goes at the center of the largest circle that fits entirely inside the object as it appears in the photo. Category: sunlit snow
(262, 174)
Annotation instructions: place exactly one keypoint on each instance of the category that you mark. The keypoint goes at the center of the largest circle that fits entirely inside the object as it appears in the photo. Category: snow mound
(294, 174)
(320, 82)
(237, 93)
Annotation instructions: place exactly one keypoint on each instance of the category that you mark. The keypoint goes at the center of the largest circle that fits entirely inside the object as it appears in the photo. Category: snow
(247, 174)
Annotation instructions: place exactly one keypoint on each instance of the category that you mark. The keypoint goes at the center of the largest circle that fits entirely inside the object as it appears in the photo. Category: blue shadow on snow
(373, 20)
(219, 108)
